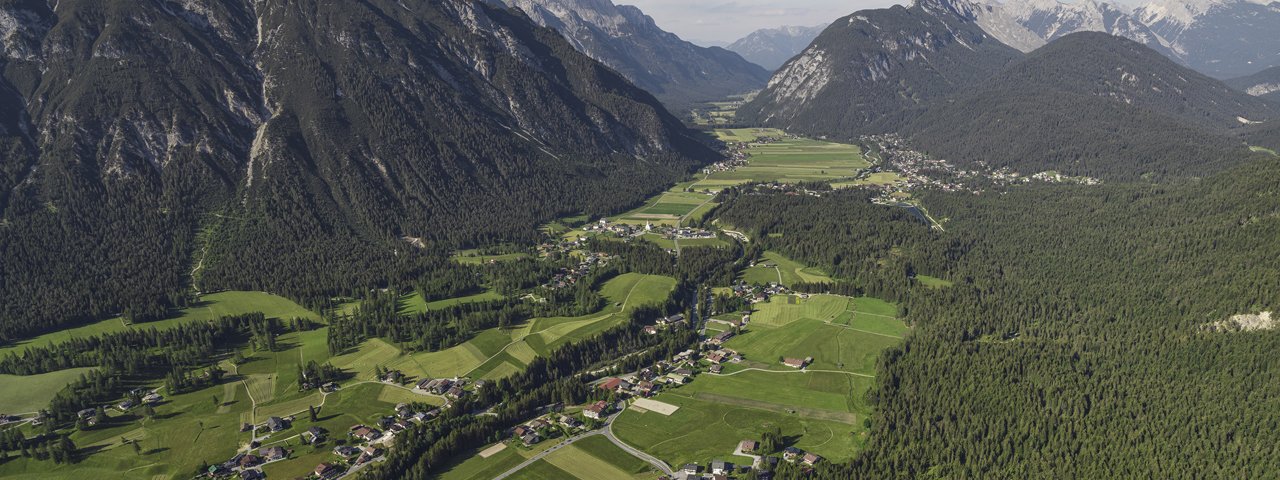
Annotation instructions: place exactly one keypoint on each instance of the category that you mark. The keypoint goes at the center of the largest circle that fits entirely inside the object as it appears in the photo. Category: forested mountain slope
(1072, 342)
(624, 38)
(1264, 84)
(877, 62)
(1078, 349)
(304, 140)
(1092, 104)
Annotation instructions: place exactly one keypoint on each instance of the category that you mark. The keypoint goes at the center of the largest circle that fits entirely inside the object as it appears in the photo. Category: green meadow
(793, 159)
(821, 408)
(209, 307)
(782, 270)
(27, 394)
(497, 353)
(589, 459)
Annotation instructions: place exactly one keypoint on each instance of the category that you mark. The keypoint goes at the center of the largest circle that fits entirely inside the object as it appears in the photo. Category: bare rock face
(1220, 38)
(772, 47)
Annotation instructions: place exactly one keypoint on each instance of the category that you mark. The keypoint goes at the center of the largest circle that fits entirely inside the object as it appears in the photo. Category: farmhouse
(365, 433)
(424, 384)
(126, 405)
(276, 424)
(611, 384)
(690, 469)
(531, 439)
(314, 435)
(811, 459)
(325, 470)
(456, 393)
(790, 453)
(251, 475)
(747, 446)
(722, 337)
(596, 410)
(249, 460)
(345, 451)
(393, 376)
(720, 467)
(570, 422)
(717, 369)
(273, 453)
(369, 454)
(797, 362)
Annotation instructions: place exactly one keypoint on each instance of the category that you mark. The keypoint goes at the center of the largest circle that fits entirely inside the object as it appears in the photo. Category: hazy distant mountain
(621, 36)
(311, 136)
(772, 47)
(1220, 38)
(1265, 84)
(874, 63)
(1092, 104)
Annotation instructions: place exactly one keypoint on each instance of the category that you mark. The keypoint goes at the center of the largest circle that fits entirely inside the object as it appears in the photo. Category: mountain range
(1086, 103)
(874, 63)
(772, 47)
(624, 38)
(305, 147)
(1220, 38)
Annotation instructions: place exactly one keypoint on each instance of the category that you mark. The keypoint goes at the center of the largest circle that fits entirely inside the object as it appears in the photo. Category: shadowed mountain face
(624, 38)
(302, 140)
(874, 63)
(1092, 104)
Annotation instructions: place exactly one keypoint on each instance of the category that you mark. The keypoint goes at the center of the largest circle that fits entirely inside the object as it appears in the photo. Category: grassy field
(26, 394)
(210, 307)
(413, 303)
(793, 160)
(933, 282)
(355, 404)
(703, 430)
(822, 408)
(186, 430)
(782, 268)
(473, 257)
(496, 353)
(878, 178)
(1264, 150)
(745, 135)
(784, 309)
(672, 207)
(589, 459)
(471, 466)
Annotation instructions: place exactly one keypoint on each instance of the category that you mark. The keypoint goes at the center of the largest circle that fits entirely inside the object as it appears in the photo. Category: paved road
(608, 433)
(659, 464)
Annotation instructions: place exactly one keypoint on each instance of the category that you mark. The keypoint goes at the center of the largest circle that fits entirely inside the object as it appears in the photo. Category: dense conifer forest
(1076, 313)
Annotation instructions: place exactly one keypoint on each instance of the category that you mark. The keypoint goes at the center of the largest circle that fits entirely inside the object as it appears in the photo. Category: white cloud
(729, 20)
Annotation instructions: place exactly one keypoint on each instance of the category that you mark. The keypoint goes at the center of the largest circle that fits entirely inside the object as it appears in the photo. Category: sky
(724, 21)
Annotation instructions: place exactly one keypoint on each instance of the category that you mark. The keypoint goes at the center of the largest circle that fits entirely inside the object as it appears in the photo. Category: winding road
(608, 433)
